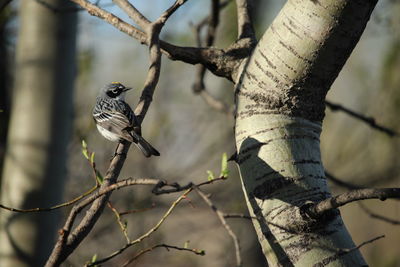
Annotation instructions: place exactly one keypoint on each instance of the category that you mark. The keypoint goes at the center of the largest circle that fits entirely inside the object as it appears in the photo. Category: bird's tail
(144, 146)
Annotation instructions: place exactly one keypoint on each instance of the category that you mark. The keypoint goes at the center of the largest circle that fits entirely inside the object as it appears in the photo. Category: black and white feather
(115, 119)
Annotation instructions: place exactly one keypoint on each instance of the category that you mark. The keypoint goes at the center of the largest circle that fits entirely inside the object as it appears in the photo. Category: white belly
(107, 134)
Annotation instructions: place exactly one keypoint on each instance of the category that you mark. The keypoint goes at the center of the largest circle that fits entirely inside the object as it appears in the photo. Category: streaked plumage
(115, 119)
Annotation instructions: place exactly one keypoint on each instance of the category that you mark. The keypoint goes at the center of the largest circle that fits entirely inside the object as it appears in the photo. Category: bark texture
(40, 124)
(280, 107)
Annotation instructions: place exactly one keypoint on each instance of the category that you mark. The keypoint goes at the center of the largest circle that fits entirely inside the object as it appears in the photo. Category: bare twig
(133, 13)
(215, 59)
(318, 209)
(65, 204)
(369, 120)
(159, 188)
(364, 243)
(239, 216)
(67, 241)
(168, 247)
(245, 23)
(215, 103)
(198, 85)
(341, 183)
(147, 234)
(121, 224)
(344, 251)
(377, 216)
(122, 213)
(220, 216)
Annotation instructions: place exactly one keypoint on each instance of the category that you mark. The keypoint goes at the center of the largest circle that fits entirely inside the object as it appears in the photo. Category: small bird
(115, 119)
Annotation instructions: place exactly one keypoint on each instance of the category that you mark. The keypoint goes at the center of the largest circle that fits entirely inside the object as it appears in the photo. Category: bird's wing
(116, 120)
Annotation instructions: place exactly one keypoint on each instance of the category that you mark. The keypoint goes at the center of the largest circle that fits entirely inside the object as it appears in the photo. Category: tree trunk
(39, 130)
(280, 106)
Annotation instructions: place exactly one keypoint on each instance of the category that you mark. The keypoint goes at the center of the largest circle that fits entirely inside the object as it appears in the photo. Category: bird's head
(115, 90)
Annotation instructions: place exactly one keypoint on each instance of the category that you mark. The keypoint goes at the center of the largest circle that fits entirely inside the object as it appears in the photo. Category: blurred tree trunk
(5, 16)
(280, 107)
(40, 125)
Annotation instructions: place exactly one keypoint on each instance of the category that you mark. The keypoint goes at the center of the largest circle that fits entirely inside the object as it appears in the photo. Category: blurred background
(192, 137)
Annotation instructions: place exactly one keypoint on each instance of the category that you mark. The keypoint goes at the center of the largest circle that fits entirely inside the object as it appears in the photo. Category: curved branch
(245, 23)
(214, 59)
(68, 241)
(320, 208)
(368, 120)
(133, 13)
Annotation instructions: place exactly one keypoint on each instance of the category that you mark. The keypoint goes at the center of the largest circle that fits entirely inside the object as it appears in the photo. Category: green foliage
(224, 169)
(210, 175)
(224, 166)
(94, 259)
(90, 158)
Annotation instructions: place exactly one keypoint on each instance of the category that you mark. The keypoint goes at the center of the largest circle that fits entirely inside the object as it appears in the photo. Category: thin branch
(214, 59)
(65, 204)
(68, 240)
(377, 216)
(368, 120)
(344, 251)
(364, 243)
(168, 247)
(198, 85)
(113, 20)
(153, 74)
(147, 234)
(215, 103)
(245, 23)
(220, 216)
(341, 183)
(121, 224)
(175, 187)
(238, 216)
(318, 209)
(133, 13)
(122, 213)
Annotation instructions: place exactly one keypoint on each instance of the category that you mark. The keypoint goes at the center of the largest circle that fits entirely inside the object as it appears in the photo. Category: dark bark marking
(291, 30)
(266, 59)
(270, 75)
(284, 63)
(294, 52)
(332, 258)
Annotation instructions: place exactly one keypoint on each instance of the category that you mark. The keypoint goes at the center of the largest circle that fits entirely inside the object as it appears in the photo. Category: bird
(115, 119)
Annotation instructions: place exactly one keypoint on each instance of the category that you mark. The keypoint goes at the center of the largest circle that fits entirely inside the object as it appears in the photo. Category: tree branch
(245, 23)
(320, 208)
(214, 59)
(368, 120)
(133, 13)
(168, 247)
(220, 216)
(341, 183)
(377, 216)
(147, 234)
(68, 240)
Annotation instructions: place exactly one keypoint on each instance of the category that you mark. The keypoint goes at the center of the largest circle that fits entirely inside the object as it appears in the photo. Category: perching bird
(116, 121)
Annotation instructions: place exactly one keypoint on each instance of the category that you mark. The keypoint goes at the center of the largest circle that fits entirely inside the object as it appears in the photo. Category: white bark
(280, 105)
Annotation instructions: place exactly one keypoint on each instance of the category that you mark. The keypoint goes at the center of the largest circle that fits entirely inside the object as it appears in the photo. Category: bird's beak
(126, 89)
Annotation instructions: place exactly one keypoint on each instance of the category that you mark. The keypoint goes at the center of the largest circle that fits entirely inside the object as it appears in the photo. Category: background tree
(175, 133)
(40, 124)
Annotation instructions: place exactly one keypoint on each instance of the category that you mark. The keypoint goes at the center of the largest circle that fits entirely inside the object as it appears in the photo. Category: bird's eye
(116, 90)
